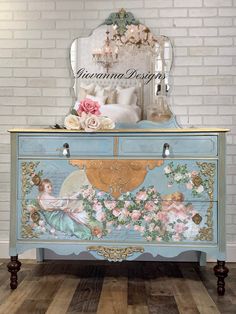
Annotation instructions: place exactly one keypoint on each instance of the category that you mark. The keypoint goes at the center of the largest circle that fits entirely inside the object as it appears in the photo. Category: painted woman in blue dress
(63, 214)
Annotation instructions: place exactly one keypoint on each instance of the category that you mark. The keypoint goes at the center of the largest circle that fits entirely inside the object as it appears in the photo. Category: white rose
(167, 169)
(200, 189)
(107, 123)
(178, 177)
(90, 122)
(72, 122)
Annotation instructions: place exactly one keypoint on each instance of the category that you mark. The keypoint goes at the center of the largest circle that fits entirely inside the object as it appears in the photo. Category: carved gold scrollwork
(208, 170)
(116, 176)
(116, 254)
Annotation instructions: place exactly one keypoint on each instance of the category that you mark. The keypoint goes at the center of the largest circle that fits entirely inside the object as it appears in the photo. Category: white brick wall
(35, 37)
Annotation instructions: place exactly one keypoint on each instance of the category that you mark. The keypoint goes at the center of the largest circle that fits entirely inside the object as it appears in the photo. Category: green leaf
(74, 112)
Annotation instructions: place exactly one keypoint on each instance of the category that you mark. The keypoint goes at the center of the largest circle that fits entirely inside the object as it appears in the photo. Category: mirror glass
(126, 67)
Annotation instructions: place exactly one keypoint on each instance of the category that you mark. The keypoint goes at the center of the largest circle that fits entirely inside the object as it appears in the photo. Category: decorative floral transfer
(195, 181)
(29, 178)
(200, 182)
(91, 213)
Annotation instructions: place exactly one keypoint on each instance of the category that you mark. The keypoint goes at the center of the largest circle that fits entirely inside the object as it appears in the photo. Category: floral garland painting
(99, 213)
(196, 181)
(93, 214)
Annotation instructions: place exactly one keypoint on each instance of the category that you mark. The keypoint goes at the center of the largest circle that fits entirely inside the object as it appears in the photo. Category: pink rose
(147, 218)
(116, 212)
(176, 237)
(149, 206)
(162, 216)
(100, 216)
(179, 228)
(97, 206)
(141, 196)
(110, 204)
(88, 192)
(135, 215)
(194, 173)
(89, 106)
(136, 227)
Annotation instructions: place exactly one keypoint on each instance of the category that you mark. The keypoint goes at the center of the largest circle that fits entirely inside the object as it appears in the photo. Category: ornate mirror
(124, 67)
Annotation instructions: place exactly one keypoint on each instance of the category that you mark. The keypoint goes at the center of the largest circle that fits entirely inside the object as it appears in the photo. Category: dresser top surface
(184, 130)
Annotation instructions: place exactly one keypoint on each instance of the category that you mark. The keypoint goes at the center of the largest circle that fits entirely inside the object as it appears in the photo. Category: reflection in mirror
(126, 66)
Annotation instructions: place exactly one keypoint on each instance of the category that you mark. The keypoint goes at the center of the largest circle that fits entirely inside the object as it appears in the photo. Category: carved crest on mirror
(126, 67)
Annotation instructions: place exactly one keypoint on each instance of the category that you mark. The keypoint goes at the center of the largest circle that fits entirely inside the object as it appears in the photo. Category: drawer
(88, 145)
(186, 179)
(173, 223)
(188, 146)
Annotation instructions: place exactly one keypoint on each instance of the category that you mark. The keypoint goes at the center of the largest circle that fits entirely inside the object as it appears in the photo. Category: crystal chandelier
(106, 56)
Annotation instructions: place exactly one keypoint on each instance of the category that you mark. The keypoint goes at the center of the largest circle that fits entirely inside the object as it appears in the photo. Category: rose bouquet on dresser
(86, 116)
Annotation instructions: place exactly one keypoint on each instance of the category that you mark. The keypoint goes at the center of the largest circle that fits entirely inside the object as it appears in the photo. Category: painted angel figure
(64, 214)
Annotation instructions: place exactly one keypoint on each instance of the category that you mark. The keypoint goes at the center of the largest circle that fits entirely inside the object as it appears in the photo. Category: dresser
(118, 194)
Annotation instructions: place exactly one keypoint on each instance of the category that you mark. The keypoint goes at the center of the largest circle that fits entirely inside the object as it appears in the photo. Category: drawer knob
(166, 150)
(66, 150)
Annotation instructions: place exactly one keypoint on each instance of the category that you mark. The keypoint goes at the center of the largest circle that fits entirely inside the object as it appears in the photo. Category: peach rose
(90, 122)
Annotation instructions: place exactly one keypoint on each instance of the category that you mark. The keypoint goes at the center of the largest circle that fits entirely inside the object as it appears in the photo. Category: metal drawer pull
(66, 150)
(166, 150)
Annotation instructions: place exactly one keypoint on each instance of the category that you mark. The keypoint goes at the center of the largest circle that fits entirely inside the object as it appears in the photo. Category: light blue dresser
(119, 193)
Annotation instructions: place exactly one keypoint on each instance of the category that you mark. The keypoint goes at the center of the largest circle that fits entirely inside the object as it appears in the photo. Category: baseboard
(4, 251)
(188, 256)
(231, 252)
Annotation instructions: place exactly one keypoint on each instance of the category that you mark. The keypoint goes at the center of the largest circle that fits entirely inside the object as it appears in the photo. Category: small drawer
(52, 146)
(179, 146)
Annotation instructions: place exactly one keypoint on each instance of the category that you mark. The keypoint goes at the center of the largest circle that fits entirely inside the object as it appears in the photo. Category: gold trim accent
(116, 254)
(116, 146)
(208, 170)
(189, 130)
(197, 218)
(197, 181)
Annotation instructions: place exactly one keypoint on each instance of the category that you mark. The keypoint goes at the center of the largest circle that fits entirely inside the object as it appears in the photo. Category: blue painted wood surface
(186, 150)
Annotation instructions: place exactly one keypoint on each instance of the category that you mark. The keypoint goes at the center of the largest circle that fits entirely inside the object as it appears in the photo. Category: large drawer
(188, 225)
(180, 146)
(52, 146)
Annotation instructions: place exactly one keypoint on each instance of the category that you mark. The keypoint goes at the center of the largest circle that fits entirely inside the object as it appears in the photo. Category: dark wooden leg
(13, 267)
(221, 272)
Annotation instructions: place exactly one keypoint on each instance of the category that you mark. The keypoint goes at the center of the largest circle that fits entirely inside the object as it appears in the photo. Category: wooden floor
(107, 288)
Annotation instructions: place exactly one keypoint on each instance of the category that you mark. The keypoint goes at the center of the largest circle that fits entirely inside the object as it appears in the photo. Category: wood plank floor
(57, 287)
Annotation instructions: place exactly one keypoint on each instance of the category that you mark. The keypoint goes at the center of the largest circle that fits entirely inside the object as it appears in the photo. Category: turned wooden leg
(221, 272)
(13, 267)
